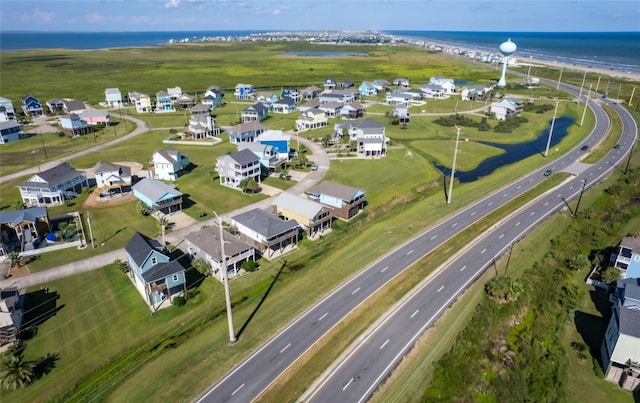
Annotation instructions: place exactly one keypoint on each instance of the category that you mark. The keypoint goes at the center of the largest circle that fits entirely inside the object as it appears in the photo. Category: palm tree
(16, 372)
(15, 258)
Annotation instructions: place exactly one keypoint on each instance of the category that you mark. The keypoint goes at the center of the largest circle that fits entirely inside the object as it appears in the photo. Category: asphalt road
(359, 376)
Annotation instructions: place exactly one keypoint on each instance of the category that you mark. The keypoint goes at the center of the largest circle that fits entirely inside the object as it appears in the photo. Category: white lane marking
(532, 213)
(505, 195)
(570, 187)
(520, 186)
(501, 235)
(433, 237)
(410, 252)
(546, 203)
(348, 383)
(531, 180)
(474, 213)
(483, 251)
(415, 313)
(559, 194)
(355, 291)
(454, 224)
(285, 347)
(386, 267)
(518, 223)
(440, 289)
(490, 204)
(324, 316)
(236, 391)
(384, 344)
(463, 267)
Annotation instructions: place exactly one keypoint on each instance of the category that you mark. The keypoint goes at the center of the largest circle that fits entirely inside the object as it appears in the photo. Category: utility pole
(559, 78)
(546, 152)
(35, 154)
(582, 85)
(584, 183)
(598, 83)
(81, 228)
(93, 246)
(631, 98)
(225, 279)
(453, 167)
(619, 88)
(586, 102)
(45, 148)
(626, 169)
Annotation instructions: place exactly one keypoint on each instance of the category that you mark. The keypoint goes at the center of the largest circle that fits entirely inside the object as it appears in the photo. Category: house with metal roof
(158, 196)
(246, 132)
(22, 230)
(312, 216)
(284, 105)
(154, 273)
(257, 112)
(345, 201)
(234, 168)
(205, 244)
(169, 164)
(506, 108)
(265, 231)
(620, 350)
(53, 186)
(10, 130)
(113, 97)
(112, 176)
(9, 111)
(310, 119)
(163, 102)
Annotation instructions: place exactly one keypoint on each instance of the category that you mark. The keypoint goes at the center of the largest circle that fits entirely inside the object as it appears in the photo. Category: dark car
(616, 146)
(547, 172)
(584, 148)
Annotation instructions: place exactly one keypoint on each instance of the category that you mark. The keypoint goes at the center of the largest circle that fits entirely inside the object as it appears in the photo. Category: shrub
(249, 265)
(179, 301)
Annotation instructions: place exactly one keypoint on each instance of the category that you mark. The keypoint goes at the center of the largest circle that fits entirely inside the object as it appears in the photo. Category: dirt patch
(93, 202)
(21, 270)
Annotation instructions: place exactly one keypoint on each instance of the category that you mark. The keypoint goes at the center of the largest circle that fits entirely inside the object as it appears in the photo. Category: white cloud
(39, 16)
(95, 17)
(172, 4)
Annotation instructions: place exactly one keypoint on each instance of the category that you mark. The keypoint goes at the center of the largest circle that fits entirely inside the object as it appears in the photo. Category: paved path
(175, 238)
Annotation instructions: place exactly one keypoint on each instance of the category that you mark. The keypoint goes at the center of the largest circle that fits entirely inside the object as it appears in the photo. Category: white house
(169, 164)
(369, 135)
(112, 176)
(113, 97)
(233, 168)
(53, 186)
(506, 108)
(447, 84)
(174, 93)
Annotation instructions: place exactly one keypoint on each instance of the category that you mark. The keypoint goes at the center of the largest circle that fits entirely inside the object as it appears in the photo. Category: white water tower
(506, 48)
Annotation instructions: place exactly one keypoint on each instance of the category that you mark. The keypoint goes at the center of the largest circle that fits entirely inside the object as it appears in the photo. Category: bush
(249, 265)
(179, 301)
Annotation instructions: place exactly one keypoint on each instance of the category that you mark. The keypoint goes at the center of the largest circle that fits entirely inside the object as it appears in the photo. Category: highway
(357, 377)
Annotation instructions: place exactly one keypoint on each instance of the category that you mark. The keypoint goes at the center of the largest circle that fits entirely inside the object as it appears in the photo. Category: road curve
(247, 381)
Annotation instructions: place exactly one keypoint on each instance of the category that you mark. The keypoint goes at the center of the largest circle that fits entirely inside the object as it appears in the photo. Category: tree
(142, 208)
(16, 372)
(120, 265)
(213, 174)
(610, 275)
(249, 265)
(202, 266)
(163, 222)
(15, 258)
(578, 262)
(282, 171)
(249, 185)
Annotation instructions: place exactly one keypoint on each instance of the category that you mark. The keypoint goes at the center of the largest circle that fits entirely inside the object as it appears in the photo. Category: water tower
(506, 48)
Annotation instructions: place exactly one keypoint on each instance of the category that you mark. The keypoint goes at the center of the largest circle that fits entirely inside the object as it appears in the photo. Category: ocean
(615, 50)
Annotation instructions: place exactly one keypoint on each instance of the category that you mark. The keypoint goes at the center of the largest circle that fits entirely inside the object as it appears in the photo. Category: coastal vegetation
(164, 356)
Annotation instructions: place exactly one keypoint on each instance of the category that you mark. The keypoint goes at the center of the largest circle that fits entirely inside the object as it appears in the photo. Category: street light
(35, 154)
(546, 152)
(453, 167)
(584, 183)
(225, 280)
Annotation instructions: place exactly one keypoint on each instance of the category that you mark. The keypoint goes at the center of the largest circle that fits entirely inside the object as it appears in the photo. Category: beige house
(312, 119)
(314, 217)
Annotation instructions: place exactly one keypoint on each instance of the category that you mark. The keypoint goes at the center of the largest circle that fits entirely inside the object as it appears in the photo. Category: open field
(400, 190)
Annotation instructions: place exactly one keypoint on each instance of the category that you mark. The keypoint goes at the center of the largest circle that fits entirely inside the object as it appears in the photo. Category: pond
(324, 54)
(462, 82)
(513, 152)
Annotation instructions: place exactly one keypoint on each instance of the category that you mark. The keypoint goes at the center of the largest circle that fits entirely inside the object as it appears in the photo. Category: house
(346, 84)
(402, 113)
(174, 93)
(381, 85)
(620, 350)
(311, 92)
(158, 196)
(10, 130)
(399, 99)
(257, 112)
(284, 105)
(9, 110)
(447, 84)
(4, 116)
(433, 91)
(280, 142)
(291, 92)
(234, 168)
(169, 164)
(331, 109)
(312, 216)
(369, 135)
(268, 156)
(354, 110)
(205, 244)
(55, 105)
(141, 101)
(113, 97)
(314, 103)
(628, 258)
(327, 97)
(201, 123)
(112, 176)
(267, 99)
(23, 230)
(401, 82)
(11, 303)
(156, 276)
(367, 89)
(348, 95)
(312, 119)
(53, 186)
(163, 102)
(73, 125)
(266, 232)
(245, 92)
(506, 108)
(185, 101)
(416, 94)
(213, 96)
(31, 106)
(96, 117)
(329, 83)
(73, 106)
(479, 92)
(246, 132)
(345, 201)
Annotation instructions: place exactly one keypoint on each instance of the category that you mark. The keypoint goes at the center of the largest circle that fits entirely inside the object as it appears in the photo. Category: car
(314, 167)
(584, 148)
(616, 146)
(547, 172)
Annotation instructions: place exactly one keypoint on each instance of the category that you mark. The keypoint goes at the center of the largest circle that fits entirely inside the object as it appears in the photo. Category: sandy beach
(568, 66)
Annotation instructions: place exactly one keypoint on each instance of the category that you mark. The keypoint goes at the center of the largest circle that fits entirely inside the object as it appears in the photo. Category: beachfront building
(246, 132)
(169, 164)
(141, 101)
(113, 97)
(506, 108)
(10, 130)
(53, 186)
(234, 168)
(163, 102)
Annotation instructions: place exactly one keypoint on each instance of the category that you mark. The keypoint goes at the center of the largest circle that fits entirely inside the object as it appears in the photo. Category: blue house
(244, 92)
(163, 102)
(246, 132)
(154, 273)
(257, 112)
(10, 130)
(284, 105)
(274, 138)
(158, 196)
(367, 88)
(292, 93)
(31, 105)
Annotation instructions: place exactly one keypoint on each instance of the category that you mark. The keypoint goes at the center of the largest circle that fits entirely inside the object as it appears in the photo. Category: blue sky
(215, 15)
